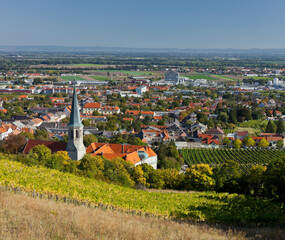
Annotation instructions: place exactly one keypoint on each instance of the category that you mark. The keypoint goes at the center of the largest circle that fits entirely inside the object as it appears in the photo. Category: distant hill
(253, 51)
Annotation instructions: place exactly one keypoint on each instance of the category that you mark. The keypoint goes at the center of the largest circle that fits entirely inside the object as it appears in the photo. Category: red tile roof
(125, 151)
(92, 105)
(53, 146)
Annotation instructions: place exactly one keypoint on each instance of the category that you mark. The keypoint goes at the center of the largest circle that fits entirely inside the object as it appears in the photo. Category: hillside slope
(201, 206)
(23, 217)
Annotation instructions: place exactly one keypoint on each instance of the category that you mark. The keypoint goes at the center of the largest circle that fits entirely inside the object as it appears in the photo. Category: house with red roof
(6, 130)
(210, 140)
(241, 134)
(132, 153)
(53, 146)
(89, 108)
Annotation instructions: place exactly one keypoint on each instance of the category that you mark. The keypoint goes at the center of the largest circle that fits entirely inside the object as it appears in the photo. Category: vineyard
(203, 206)
(244, 157)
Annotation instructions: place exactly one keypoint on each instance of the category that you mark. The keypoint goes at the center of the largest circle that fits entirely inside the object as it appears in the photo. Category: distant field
(260, 78)
(131, 73)
(274, 62)
(71, 78)
(102, 78)
(200, 76)
(210, 77)
(85, 65)
(224, 77)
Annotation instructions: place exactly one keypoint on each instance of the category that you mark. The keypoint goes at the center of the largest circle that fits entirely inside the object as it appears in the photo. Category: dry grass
(23, 217)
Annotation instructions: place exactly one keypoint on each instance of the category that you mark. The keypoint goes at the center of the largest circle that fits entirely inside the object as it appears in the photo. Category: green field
(275, 62)
(244, 157)
(251, 131)
(127, 73)
(102, 78)
(253, 123)
(71, 78)
(224, 77)
(204, 206)
(200, 76)
(260, 78)
(85, 65)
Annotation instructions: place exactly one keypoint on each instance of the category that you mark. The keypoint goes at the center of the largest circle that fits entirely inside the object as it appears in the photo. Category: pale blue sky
(144, 23)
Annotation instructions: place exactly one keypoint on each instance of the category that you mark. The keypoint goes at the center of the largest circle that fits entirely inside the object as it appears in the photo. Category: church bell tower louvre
(75, 147)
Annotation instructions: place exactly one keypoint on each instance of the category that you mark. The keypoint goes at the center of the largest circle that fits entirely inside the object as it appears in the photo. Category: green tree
(38, 81)
(271, 127)
(86, 122)
(88, 139)
(40, 154)
(223, 116)
(27, 135)
(172, 179)
(92, 166)
(138, 176)
(280, 144)
(227, 176)
(275, 179)
(263, 143)
(280, 126)
(41, 134)
(199, 177)
(256, 179)
(226, 141)
(237, 144)
(248, 141)
(96, 113)
(154, 178)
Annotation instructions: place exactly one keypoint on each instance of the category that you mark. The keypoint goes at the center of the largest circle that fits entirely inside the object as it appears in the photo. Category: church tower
(75, 147)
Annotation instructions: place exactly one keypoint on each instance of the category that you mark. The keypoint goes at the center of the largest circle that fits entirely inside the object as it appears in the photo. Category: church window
(77, 133)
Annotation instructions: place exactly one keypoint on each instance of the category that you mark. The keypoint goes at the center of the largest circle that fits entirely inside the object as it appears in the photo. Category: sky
(199, 24)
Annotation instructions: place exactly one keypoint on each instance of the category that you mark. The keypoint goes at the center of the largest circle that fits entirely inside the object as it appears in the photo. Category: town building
(133, 153)
(89, 108)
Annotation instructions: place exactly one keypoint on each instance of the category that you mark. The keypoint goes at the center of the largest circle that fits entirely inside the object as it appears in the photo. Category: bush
(199, 177)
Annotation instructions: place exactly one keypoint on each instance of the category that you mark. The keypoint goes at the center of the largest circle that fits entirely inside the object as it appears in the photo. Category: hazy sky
(144, 23)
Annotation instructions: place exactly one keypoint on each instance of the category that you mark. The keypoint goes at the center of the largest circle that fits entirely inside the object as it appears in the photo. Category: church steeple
(75, 147)
(75, 114)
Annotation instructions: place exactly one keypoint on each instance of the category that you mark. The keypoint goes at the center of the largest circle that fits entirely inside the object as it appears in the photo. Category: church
(74, 147)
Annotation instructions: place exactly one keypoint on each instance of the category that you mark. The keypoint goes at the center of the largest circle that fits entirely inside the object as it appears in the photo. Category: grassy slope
(23, 217)
(210, 207)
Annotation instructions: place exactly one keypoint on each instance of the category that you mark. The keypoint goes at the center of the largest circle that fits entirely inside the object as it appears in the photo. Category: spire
(75, 115)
